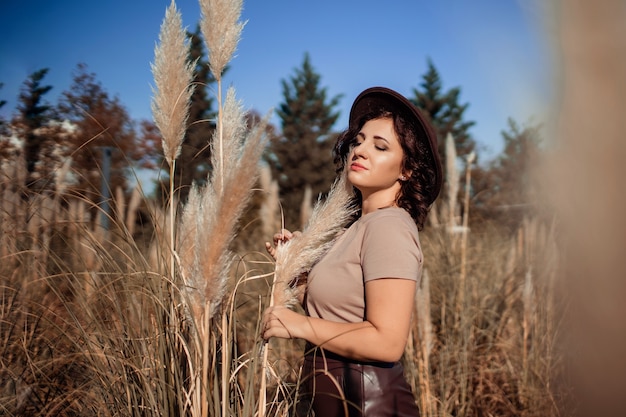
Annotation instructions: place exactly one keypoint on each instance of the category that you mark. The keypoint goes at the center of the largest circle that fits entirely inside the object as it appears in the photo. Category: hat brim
(374, 98)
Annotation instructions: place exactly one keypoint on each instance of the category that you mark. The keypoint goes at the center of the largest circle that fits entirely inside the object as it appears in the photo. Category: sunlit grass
(92, 324)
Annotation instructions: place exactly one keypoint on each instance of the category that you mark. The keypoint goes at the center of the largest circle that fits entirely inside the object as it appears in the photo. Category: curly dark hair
(415, 191)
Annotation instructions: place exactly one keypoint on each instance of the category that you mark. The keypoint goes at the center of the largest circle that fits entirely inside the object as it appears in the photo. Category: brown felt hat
(374, 98)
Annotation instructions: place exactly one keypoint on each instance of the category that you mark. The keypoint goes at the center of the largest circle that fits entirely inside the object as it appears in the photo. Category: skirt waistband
(313, 352)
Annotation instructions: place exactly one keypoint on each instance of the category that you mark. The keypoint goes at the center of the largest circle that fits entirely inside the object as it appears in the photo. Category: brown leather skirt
(334, 386)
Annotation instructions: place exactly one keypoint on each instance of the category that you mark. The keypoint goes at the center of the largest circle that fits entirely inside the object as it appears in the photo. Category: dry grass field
(93, 324)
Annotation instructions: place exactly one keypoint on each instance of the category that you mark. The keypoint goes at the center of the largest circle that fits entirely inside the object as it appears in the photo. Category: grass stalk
(463, 272)
(220, 126)
(224, 318)
(205, 361)
(452, 178)
(264, 363)
(172, 215)
(424, 335)
(225, 363)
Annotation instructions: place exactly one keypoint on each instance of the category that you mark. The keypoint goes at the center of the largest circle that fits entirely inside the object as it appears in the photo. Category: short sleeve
(391, 249)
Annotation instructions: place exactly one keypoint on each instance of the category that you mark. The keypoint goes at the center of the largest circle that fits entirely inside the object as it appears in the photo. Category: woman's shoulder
(390, 245)
(390, 219)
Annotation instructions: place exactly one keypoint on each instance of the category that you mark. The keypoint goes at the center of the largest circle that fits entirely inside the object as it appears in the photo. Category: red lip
(357, 167)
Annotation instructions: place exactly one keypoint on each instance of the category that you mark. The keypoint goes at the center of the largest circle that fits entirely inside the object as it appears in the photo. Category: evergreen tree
(102, 124)
(445, 112)
(507, 189)
(194, 162)
(303, 155)
(33, 114)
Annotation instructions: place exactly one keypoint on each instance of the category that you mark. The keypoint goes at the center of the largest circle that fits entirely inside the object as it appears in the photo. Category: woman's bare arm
(381, 337)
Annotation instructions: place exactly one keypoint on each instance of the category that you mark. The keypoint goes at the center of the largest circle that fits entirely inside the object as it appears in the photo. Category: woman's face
(375, 161)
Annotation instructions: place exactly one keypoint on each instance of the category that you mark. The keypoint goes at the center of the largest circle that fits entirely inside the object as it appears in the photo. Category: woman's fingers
(278, 237)
(273, 325)
(270, 249)
(283, 236)
(266, 331)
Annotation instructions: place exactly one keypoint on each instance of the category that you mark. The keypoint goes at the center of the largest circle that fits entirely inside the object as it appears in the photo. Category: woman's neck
(374, 202)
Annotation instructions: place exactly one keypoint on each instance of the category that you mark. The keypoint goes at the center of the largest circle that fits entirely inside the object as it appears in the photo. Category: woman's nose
(359, 151)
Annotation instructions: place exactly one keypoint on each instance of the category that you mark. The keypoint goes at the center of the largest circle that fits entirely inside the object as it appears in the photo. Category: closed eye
(381, 144)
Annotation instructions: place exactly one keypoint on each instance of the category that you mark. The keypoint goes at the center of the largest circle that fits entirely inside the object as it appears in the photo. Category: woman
(360, 295)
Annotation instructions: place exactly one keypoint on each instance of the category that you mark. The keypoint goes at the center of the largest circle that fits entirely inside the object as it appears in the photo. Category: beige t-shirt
(381, 244)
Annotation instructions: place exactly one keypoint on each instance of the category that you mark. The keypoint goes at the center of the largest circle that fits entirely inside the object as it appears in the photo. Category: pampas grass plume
(221, 30)
(299, 254)
(173, 75)
(211, 214)
(225, 153)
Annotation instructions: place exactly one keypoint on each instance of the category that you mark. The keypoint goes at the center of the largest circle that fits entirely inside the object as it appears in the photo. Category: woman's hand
(283, 236)
(279, 321)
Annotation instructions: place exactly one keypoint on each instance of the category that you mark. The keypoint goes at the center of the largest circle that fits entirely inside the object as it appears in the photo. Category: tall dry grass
(104, 337)
(496, 353)
(142, 321)
(209, 219)
(95, 327)
(68, 318)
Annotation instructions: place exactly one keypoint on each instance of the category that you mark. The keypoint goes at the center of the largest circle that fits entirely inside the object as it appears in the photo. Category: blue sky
(493, 49)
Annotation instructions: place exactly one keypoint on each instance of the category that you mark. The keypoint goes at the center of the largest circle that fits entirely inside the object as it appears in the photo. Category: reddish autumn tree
(102, 125)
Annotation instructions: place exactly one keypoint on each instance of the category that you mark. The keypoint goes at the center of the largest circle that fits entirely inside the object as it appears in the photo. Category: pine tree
(194, 162)
(33, 114)
(303, 155)
(101, 124)
(445, 112)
